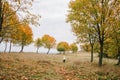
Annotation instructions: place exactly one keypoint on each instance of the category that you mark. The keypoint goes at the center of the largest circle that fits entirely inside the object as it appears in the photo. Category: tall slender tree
(95, 15)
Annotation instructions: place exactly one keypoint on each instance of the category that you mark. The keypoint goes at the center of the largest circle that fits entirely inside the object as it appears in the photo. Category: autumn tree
(5, 41)
(84, 34)
(17, 7)
(38, 43)
(73, 47)
(7, 23)
(24, 36)
(11, 16)
(48, 42)
(96, 17)
(63, 47)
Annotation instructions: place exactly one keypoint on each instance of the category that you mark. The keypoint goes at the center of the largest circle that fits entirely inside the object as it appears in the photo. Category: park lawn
(33, 66)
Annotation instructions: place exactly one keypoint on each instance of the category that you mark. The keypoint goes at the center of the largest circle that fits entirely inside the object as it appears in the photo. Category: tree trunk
(91, 52)
(5, 47)
(0, 16)
(22, 47)
(101, 34)
(101, 53)
(92, 41)
(1, 38)
(48, 51)
(10, 46)
(37, 49)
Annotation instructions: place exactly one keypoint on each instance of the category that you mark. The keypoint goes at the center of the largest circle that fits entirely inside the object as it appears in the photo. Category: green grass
(32, 66)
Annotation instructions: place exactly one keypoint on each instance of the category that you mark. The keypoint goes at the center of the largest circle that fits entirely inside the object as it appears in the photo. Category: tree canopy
(94, 19)
(63, 46)
(48, 42)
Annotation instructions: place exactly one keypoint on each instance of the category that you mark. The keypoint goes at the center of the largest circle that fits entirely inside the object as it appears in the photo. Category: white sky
(53, 22)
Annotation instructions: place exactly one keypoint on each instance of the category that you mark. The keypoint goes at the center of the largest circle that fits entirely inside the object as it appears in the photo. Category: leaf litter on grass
(50, 67)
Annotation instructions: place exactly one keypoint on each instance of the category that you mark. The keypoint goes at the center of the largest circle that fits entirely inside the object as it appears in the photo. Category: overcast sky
(53, 22)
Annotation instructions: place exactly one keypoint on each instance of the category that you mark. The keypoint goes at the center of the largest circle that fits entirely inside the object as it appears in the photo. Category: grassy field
(33, 66)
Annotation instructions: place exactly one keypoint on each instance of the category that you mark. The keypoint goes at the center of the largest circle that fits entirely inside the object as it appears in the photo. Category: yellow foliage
(48, 41)
(24, 35)
(63, 46)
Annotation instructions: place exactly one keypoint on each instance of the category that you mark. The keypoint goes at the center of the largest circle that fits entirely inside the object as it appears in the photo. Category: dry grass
(32, 66)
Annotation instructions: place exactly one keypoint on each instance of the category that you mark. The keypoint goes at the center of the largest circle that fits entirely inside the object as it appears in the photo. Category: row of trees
(15, 29)
(50, 42)
(14, 26)
(97, 23)
(24, 38)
